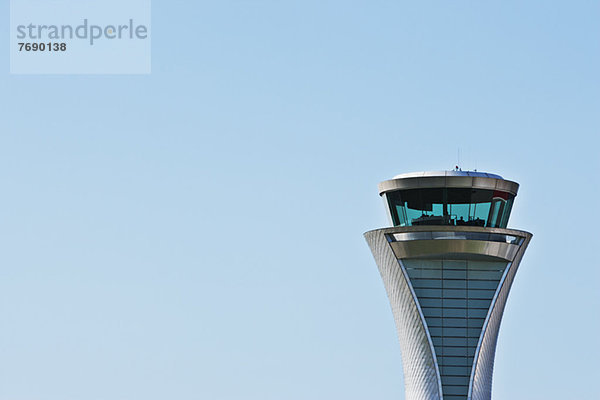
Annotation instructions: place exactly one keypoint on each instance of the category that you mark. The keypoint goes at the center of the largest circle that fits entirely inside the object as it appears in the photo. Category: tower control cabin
(448, 264)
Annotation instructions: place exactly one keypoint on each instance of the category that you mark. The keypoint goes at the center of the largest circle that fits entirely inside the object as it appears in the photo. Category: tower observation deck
(447, 265)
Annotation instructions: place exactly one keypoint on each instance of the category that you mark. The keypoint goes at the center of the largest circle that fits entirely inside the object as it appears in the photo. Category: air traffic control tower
(447, 265)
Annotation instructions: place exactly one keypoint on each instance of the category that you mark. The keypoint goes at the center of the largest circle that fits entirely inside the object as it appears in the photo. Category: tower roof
(449, 179)
(446, 173)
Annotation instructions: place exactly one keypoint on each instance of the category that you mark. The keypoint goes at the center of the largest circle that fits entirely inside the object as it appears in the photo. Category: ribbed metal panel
(421, 376)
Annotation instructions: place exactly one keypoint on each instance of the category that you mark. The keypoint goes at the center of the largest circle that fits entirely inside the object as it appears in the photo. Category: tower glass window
(450, 206)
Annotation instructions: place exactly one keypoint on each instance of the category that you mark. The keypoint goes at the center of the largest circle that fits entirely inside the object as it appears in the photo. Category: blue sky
(197, 233)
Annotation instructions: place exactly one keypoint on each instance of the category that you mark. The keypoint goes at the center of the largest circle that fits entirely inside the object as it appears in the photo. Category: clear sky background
(197, 233)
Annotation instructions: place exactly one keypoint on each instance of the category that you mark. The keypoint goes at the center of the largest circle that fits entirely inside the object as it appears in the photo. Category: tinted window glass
(450, 206)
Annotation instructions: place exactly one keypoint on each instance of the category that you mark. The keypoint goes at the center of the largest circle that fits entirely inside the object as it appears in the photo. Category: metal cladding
(455, 179)
(448, 286)
(421, 375)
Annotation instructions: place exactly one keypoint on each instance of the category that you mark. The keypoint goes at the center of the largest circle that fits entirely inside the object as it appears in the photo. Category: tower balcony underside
(448, 284)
